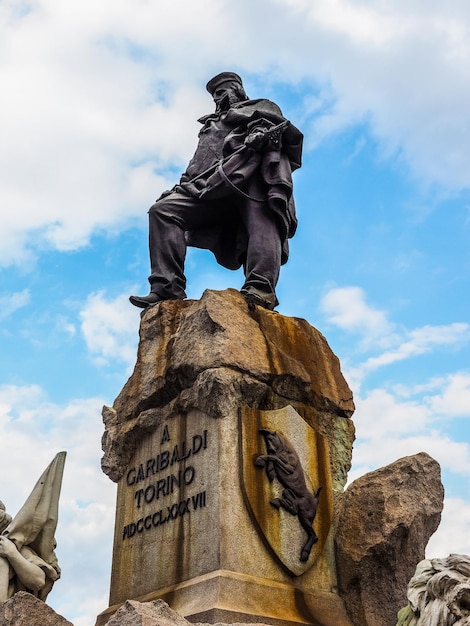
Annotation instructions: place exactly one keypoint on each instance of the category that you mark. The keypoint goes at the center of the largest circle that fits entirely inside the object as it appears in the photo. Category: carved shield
(284, 462)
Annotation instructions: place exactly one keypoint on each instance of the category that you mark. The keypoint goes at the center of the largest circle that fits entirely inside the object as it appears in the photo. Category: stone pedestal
(226, 405)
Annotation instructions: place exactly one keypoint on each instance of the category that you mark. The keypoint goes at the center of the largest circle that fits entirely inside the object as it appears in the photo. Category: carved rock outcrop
(23, 609)
(217, 353)
(154, 613)
(383, 524)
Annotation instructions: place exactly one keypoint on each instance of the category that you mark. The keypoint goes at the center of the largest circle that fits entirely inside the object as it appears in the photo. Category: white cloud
(11, 303)
(65, 326)
(452, 536)
(389, 428)
(346, 307)
(419, 341)
(455, 399)
(402, 69)
(373, 452)
(397, 420)
(32, 431)
(110, 328)
(82, 136)
(381, 416)
(100, 102)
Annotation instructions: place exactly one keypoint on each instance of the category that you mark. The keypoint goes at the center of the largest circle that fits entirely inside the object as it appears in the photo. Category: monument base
(228, 444)
(212, 508)
(216, 598)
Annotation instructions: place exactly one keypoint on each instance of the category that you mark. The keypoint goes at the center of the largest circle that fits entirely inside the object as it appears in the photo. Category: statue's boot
(145, 301)
(254, 298)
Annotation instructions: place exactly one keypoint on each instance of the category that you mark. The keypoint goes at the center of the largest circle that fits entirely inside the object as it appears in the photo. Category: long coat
(246, 169)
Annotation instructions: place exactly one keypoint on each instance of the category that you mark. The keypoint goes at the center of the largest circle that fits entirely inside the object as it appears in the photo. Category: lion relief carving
(439, 593)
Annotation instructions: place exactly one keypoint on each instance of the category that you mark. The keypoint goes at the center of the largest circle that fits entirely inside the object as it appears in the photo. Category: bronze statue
(234, 199)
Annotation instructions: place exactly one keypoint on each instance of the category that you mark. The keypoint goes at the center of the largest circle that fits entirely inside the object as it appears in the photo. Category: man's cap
(224, 77)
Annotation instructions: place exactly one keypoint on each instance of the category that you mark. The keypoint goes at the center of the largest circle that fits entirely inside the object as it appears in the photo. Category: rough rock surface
(23, 609)
(154, 613)
(384, 522)
(216, 353)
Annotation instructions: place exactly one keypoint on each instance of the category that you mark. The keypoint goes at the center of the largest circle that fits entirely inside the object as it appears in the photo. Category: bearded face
(228, 94)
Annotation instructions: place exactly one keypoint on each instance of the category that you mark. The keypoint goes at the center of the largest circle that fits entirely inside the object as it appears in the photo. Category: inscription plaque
(167, 478)
(165, 498)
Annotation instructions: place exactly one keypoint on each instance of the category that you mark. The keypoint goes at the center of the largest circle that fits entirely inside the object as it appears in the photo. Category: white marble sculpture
(27, 542)
(439, 593)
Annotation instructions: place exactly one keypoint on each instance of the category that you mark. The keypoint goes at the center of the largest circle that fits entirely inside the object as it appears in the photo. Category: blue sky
(98, 116)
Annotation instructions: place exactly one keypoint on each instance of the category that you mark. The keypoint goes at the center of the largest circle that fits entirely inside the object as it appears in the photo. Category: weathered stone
(384, 522)
(190, 489)
(154, 613)
(23, 609)
(210, 375)
(210, 354)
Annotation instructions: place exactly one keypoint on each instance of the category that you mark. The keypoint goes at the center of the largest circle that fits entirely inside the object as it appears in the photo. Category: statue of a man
(234, 199)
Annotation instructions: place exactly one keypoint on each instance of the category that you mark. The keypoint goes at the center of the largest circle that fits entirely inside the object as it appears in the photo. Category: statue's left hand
(165, 193)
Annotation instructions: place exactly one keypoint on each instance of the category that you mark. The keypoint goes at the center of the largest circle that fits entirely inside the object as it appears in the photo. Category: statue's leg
(4, 579)
(169, 218)
(167, 245)
(263, 259)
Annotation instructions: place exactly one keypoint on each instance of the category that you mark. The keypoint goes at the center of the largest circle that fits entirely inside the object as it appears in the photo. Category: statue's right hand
(7, 547)
(257, 140)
